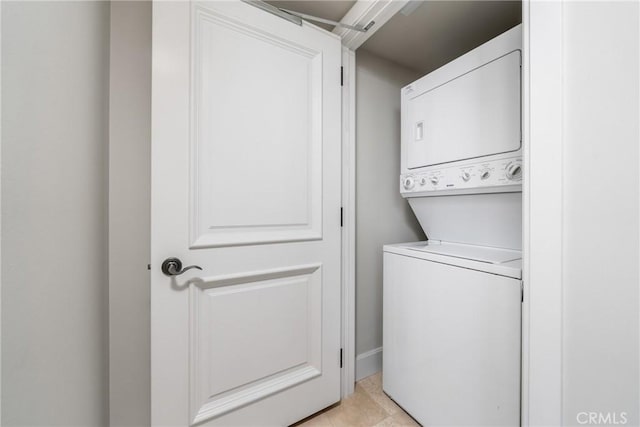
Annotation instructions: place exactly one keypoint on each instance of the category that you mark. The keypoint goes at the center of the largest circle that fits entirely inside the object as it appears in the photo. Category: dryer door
(475, 114)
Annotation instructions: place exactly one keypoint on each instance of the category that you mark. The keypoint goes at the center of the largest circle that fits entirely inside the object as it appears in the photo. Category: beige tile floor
(367, 407)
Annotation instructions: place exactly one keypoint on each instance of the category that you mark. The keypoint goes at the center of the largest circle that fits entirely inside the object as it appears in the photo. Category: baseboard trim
(368, 363)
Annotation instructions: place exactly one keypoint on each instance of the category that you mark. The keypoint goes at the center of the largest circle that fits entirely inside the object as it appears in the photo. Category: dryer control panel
(504, 174)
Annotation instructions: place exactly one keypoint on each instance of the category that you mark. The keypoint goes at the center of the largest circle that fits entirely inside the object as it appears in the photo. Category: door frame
(362, 12)
(542, 213)
(348, 257)
(0, 213)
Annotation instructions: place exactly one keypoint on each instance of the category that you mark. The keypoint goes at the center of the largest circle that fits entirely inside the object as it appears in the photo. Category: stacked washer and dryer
(452, 304)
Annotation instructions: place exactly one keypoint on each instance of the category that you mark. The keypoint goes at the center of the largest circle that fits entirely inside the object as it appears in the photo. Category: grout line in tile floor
(368, 406)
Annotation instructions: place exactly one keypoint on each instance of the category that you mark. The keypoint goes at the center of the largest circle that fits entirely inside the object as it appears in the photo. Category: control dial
(485, 175)
(408, 183)
(423, 181)
(466, 176)
(434, 180)
(513, 171)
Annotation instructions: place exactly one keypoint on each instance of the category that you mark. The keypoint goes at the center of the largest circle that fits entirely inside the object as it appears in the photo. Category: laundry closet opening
(420, 39)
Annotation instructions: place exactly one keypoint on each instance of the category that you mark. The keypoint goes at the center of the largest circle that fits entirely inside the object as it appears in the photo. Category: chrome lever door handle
(173, 267)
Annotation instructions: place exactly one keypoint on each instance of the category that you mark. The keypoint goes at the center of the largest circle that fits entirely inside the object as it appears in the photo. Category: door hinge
(341, 217)
(340, 358)
(341, 76)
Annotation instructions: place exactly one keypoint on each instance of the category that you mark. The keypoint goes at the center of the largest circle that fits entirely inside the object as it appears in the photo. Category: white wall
(129, 213)
(601, 230)
(382, 216)
(55, 68)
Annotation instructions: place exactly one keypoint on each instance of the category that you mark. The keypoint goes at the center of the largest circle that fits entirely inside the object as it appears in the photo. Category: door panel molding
(226, 404)
(299, 360)
(232, 142)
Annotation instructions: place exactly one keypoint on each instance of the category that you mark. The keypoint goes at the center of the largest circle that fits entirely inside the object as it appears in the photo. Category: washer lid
(503, 262)
(471, 252)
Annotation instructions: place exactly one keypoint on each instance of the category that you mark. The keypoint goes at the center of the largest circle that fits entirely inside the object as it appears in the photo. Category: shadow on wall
(382, 215)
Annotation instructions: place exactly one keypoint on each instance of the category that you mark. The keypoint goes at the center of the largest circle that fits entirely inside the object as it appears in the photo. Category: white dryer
(452, 305)
(451, 334)
(461, 124)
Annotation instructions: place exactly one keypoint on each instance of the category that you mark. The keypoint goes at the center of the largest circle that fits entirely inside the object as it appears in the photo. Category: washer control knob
(513, 171)
(408, 183)
(466, 176)
(423, 181)
(485, 175)
(434, 180)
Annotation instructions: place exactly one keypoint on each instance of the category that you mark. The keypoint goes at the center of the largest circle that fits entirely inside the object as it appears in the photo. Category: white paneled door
(246, 185)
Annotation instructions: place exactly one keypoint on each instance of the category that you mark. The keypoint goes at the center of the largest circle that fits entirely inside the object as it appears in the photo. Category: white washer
(452, 333)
